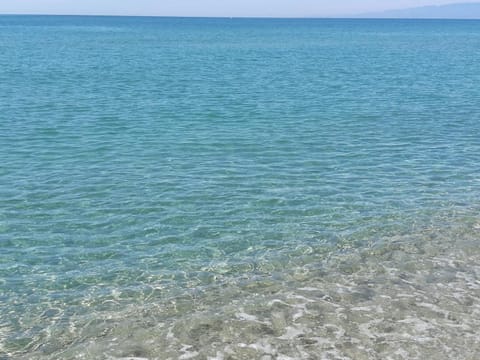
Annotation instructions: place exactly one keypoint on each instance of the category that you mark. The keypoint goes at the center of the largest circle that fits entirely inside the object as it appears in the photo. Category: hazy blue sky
(211, 7)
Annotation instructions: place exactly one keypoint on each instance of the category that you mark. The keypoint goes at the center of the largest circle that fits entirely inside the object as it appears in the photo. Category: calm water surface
(239, 189)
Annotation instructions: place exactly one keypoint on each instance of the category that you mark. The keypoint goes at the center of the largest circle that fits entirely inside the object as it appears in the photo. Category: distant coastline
(467, 11)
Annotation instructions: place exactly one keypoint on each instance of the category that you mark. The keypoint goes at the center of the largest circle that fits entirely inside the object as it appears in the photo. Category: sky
(234, 8)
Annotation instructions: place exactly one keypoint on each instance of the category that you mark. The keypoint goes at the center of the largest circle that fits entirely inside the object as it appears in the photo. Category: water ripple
(175, 188)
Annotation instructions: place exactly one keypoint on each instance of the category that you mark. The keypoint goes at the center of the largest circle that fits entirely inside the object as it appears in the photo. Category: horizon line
(350, 17)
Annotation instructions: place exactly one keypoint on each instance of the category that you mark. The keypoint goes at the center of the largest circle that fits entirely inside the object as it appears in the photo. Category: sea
(221, 189)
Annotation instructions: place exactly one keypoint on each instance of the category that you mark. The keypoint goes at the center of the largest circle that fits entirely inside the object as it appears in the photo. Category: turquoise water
(239, 189)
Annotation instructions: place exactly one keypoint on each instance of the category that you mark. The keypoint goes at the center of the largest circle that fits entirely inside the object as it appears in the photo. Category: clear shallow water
(228, 189)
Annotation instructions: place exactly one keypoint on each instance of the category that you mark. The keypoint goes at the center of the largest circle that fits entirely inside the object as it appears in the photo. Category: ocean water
(239, 188)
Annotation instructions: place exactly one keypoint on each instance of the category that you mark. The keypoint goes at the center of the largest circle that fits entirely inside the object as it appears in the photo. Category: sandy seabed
(413, 297)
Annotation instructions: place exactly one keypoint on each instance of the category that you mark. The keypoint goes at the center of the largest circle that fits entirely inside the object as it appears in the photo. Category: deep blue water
(158, 173)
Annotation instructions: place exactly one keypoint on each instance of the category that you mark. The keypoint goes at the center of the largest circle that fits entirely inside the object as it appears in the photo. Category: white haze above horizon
(227, 8)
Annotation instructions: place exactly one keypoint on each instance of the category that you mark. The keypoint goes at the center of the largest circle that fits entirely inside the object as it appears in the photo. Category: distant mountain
(451, 11)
